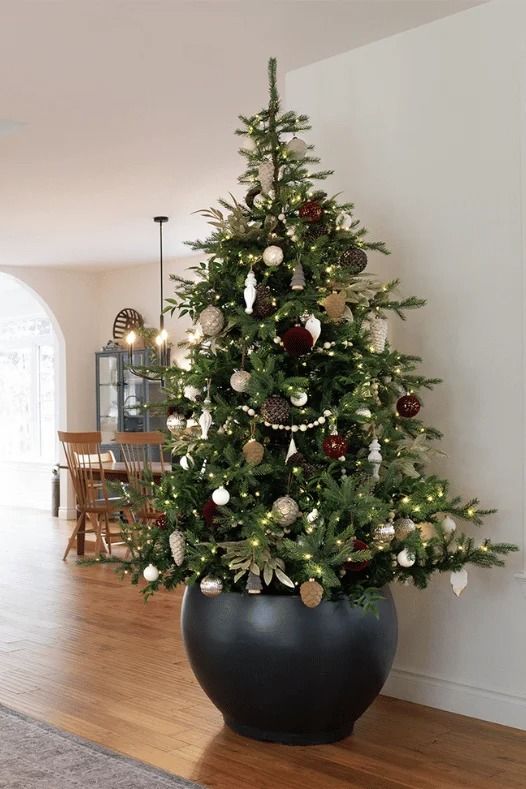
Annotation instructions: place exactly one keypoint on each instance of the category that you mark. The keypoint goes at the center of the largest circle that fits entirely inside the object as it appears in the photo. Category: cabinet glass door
(134, 395)
(108, 377)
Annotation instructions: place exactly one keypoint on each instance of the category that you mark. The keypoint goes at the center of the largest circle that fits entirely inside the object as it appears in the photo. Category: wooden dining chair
(94, 505)
(137, 450)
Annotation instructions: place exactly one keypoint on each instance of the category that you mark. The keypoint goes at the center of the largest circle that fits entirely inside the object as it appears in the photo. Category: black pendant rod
(161, 220)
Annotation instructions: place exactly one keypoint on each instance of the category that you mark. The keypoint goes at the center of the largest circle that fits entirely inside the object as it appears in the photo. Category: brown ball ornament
(263, 305)
(408, 406)
(297, 341)
(353, 259)
(275, 410)
(311, 211)
(355, 567)
(335, 446)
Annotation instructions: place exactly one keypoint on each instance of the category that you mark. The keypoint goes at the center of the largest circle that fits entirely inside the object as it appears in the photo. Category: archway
(32, 359)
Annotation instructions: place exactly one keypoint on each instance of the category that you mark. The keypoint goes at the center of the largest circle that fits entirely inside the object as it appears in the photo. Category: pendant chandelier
(161, 340)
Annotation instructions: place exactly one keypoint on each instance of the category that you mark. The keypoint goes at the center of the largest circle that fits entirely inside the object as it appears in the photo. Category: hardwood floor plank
(81, 650)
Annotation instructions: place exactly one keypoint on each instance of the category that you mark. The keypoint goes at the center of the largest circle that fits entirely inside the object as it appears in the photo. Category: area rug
(35, 755)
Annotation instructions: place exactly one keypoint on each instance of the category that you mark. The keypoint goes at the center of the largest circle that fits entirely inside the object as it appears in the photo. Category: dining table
(115, 471)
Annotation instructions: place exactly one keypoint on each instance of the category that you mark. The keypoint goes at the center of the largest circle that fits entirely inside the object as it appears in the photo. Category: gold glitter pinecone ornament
(177, 546)
(253, 452)
(311, 593)
(334, 305)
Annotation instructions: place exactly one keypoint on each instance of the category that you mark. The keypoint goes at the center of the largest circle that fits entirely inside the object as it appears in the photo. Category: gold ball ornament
(403, 528)
(311, 593)
(253, 452)
(211, 320)
(334, 305)
(240, 380)
(285, 510)
(383, 534)
(176, 423)
(210, 586)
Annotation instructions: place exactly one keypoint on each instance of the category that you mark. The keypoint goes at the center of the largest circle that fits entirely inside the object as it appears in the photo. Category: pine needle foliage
(352, 388)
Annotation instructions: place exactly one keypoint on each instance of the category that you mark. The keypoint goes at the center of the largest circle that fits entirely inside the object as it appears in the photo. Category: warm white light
(131, 337)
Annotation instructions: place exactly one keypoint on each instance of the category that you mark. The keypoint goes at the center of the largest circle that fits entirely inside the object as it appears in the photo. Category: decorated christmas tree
(297, 432)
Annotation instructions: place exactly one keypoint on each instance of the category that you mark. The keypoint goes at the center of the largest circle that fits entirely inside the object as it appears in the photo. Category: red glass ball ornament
(297, 341)
(335, 446)
(209, 512)
(408, 406)
(311, 211)
(161, 522)
(355, 567)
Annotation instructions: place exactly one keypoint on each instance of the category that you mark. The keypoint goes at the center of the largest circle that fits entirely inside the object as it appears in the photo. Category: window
(27, 389)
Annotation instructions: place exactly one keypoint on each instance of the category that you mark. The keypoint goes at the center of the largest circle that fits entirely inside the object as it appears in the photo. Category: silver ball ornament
(299, 398)
(405, 558)
(176, 423)
(240, 380)
(296, 148)
(191, 392)
(285, 510)
(273, 256)
(211, 320)
(210, 586)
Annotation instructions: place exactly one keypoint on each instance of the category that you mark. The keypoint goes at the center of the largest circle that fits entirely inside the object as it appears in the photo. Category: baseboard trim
(489, 705)
(67, 513)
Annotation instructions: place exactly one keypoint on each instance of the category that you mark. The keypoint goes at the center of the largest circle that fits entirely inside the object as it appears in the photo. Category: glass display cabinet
(122, 397)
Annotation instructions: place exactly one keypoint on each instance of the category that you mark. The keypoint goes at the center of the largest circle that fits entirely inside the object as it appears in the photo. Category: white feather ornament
(459, 581)
(291, 450)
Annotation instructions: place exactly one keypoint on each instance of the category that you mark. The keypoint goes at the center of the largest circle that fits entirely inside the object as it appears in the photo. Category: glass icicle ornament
(250, 292)
(298, 278)
(266, 175)
(375, 457)
(177, 546)
(378, 332)
(211, 320)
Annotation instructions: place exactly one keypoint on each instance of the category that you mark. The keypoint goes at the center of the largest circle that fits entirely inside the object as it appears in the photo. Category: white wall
(424, 132)
(138, 287)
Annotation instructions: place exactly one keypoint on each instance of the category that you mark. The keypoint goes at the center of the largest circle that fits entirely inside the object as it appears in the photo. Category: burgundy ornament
(161, 522)
(335, 446)
(209, 512)
(355, 567)
(408, 406)
(297, 341)
(311, 211)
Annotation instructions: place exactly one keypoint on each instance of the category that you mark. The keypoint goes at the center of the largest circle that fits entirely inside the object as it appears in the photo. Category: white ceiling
(114, 111)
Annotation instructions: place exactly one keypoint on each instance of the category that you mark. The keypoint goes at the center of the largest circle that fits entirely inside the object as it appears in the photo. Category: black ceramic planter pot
(282, 672)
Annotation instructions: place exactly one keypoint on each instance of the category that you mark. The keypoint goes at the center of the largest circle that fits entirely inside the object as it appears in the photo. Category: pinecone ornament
(253, 452)
(354, 260)
(266, 176)
(177, 546)
(311, 593)
(378, 332)
(275, 410)
(317, 231)
(263, 306)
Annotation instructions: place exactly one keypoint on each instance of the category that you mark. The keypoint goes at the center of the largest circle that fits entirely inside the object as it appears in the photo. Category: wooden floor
(81, 650)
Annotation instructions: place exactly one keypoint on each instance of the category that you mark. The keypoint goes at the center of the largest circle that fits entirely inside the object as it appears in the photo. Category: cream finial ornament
(375, 457)
(313, 326)
(205, 422)
(250, 292)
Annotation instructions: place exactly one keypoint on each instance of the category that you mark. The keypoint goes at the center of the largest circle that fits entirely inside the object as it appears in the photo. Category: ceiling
(114, 111)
